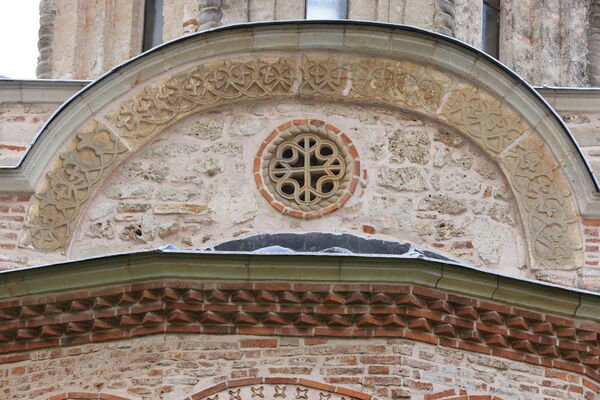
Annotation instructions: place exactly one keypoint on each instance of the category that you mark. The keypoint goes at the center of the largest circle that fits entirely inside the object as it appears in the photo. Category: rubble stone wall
(193, 186)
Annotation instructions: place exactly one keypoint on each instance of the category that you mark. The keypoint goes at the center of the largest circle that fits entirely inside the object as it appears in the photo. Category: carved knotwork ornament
(307, 168)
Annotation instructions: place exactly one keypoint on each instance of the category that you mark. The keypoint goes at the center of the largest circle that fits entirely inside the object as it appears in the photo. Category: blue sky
(19, 24)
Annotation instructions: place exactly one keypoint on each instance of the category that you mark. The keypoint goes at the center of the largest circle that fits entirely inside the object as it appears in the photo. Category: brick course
(298, 309)
(177, 366)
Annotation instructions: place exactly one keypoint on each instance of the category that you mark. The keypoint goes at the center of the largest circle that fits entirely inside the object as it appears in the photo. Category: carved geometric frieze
(487, 120)
(67, 188)
(281, 388)
(546, 204)
(307, 168)
(138, 118)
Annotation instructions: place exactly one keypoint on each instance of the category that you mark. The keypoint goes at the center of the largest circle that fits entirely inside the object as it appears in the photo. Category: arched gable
(399, 67)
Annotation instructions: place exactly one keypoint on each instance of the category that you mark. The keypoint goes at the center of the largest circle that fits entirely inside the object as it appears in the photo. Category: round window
(307, 168)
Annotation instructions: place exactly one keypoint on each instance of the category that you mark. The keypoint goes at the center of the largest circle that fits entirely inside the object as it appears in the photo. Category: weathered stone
(435, 181)
(443, 229)
(487, 171)
(245, 126)
(141, 232)
(503, 192)
(233, 200)
(175, 194)
(209, 165)
(406, 179)
(130, 191)
(460, 182)
(443, 204)
(445, 158)
(100, 210)
(101, 229)
(502, 213)
(489, 239)
(178, 208)
(132, 207)
(448, 138)
(167, 229)
(172, 150)
(393, 212)
(204, 129)
(409, 144)
(155, 172)
(231, 150)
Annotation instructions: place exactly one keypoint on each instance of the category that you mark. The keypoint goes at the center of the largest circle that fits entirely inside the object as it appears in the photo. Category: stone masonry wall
(174, 366)
(546, 41)
(193, 186)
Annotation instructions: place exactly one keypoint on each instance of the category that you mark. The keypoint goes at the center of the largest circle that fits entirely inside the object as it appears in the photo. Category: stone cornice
(157, 265)
(572, 99)
(140, 294)
(38, 91)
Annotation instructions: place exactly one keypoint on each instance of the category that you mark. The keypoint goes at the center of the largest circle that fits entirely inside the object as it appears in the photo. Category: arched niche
(398, 67)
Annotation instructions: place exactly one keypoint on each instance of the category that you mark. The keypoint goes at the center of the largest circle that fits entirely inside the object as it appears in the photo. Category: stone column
(444, 17)
(468, 16)
(594, 44)
(46, 38)
(81, 39)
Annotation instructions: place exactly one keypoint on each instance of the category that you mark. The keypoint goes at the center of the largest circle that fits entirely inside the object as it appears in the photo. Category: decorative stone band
(58, 204)
(273, 172)
(298, 309)
(545, 199)
(279, 387)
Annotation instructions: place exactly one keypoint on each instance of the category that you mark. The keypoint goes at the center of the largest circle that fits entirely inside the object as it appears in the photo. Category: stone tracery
(307, 166)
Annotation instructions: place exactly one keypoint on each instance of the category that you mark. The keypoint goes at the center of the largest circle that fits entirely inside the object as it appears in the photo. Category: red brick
(445, 393)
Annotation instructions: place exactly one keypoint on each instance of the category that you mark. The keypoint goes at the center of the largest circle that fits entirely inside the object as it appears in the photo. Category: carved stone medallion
(307, 168)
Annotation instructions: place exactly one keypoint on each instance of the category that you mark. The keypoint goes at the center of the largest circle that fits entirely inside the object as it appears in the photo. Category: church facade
(369, 207)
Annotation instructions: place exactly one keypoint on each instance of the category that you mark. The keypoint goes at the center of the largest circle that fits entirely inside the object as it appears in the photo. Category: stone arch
(398, 67)
(278, 387)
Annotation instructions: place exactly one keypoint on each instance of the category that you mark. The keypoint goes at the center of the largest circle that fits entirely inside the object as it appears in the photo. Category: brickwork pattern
(182, 365)
(299, 309)
(13, 210)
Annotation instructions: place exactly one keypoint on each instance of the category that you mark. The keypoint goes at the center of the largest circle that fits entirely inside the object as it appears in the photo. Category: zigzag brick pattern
(298, 309)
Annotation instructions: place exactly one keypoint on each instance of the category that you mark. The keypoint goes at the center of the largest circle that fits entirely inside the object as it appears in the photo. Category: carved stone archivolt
(67, 189)
(307, 168)
(203, 86)
(546, 205)
(278, 388)
(487, 120)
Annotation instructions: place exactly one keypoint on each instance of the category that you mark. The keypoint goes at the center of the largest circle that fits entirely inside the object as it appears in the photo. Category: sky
(19, 24)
